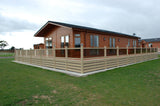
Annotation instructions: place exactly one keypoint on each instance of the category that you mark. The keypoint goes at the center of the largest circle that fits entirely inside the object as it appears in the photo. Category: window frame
(48, 42)
(76, 45)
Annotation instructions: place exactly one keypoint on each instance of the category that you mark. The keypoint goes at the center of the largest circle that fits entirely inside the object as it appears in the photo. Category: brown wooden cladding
(38, 46)
(56, 32)
(154, 44)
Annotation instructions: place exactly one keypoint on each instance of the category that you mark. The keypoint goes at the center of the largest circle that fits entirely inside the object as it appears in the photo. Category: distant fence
(83, 60)
(6, 51)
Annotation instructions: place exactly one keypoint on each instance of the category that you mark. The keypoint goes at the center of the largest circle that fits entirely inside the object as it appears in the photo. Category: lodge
(63, 34)
(81, 51)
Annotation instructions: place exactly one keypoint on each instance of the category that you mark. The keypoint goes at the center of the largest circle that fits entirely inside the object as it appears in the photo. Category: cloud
(125, 16)
(23, 39)
(10, 24)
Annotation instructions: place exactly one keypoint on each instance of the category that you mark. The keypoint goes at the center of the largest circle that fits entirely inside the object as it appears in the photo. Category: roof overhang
(44, 30)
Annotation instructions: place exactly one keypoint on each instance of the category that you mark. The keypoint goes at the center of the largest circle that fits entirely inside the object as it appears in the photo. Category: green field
(133, 85)
(6, 54)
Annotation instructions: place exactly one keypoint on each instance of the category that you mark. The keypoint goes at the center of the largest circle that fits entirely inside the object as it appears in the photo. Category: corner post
(82, 71)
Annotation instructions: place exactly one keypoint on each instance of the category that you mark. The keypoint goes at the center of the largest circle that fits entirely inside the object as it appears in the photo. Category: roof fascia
(48, 24)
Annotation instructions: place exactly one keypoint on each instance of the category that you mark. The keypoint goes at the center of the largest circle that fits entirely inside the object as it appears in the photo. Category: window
(94, 42)
(77, 35)
(91, 39)
(104, 38)
(118, 39)
(128, 42)
(62, 41)
(77, 40)
(139, 44)
(67, 40)
(134, 43)
(48, 42)
(112, 42)
(150, 44)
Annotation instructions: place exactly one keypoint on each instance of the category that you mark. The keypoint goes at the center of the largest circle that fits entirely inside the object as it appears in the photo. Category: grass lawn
(6, 54)
(133, 85)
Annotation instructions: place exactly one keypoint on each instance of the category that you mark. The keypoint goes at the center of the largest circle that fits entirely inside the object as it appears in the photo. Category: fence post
(141, 49)
(117, 51)
(66, 56)
(154, 50)
(20, 52)
(46, 52)
(40, 52)
(30, 56)
(54, 52)
(135, 50)
(146, 49)
(26, 53)
(105, 51)
(150, 50)
(127, 50)
(15, 55)
(82, 71)
(105, 55)
(35, 52)
(54, 56)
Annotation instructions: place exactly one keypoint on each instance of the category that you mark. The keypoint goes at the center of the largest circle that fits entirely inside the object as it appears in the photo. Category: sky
(21, 19)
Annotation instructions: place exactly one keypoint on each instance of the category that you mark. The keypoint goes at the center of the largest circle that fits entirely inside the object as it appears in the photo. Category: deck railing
(85, 52)
(84, 60)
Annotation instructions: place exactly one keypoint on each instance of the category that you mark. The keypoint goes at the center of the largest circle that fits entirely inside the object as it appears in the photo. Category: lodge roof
(152, 40)
(85, 28)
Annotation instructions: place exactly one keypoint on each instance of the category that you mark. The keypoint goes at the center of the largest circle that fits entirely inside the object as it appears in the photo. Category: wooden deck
(85, 65)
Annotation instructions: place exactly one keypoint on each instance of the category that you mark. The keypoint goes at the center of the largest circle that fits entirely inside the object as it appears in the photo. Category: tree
(12, 48)
(3, 44)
